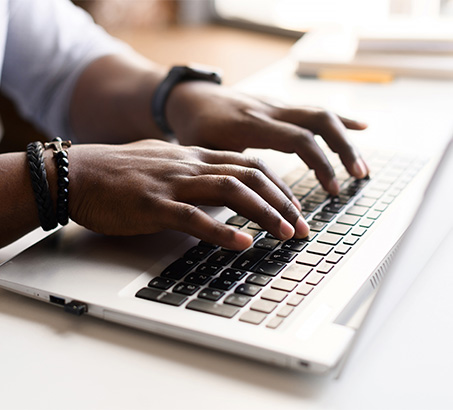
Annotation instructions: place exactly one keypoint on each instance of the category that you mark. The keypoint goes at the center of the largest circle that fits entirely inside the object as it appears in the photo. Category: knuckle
(228, 182)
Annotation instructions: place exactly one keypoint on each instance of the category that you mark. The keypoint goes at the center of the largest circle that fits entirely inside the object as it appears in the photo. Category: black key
(208, 268)
(178, 269)
(197, 253)
(267, 244)
(233, 274)
(295, 245)
(248, 289)
(258, 279)
(237, 220)
(186, 288)
(161, 296)
(317, 198)
(316, 226)
(222, 283)
(342, 199)
(161, 283)
(334, 207)
(222, 257)
(308, 206)
(249, 259)
(210, 294)
(237, 300)
(207, 245)
(283, 255)
(324, 216)
(213, 308)
(270, 268)
(198, 278)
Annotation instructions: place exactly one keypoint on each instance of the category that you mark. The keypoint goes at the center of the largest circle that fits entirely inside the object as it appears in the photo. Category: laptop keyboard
(265, 283)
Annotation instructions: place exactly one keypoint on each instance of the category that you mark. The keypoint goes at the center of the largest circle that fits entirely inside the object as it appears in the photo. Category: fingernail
(333, 187)
(286, 229)
(360, 169)
(242, 239)
(302, 228)
(296, 203)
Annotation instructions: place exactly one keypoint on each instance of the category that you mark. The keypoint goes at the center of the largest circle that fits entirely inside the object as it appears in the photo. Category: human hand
(216, 117)
(148, 186)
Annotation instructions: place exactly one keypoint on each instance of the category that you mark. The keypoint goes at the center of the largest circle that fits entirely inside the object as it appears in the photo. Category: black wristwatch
(175, 76)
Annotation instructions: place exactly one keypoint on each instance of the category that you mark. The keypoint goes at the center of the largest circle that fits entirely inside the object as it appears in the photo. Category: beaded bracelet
(40, 186)
(60, 154)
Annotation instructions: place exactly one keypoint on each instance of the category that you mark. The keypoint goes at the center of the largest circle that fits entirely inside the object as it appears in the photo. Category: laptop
(296, 303)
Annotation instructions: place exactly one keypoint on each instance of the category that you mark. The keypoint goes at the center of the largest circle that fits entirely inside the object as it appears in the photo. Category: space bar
(212, 308)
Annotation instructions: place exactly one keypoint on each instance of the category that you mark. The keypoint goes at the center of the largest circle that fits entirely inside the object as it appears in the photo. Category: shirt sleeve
(48, 45)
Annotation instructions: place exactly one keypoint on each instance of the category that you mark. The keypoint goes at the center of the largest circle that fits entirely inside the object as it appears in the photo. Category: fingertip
(333, 187)
(286, 229)
(359, 168)
(302, 228)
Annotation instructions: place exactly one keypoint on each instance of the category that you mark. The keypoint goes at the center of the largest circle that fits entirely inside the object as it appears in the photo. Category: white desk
(52, 360)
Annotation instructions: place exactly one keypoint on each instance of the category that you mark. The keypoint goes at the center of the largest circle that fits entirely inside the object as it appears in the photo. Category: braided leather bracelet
(40, 186)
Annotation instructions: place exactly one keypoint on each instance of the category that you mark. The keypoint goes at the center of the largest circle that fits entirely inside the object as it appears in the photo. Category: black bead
(63, 171)
(60, 155)
(63, 182)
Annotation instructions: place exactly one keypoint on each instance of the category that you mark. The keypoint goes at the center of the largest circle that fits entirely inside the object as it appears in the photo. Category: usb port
(57, 300)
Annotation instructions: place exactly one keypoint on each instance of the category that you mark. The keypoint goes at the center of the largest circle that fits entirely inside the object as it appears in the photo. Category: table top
(50, 359)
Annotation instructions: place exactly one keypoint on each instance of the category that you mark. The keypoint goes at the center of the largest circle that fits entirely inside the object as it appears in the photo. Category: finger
(287, 137)
(353, 124)
(193, 221)
(225, 190)
(255, 180)
(332, 130)
(230, 157)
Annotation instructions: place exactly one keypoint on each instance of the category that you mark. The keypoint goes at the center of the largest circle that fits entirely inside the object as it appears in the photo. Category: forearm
(111, 102)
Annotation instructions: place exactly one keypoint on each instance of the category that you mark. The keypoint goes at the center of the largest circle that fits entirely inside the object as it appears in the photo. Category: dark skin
(149, 185)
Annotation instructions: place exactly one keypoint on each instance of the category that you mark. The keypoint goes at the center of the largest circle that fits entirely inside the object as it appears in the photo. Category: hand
(148, 186)
(216, 117)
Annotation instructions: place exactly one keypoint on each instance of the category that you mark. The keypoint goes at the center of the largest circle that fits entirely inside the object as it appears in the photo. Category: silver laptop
(295, 303)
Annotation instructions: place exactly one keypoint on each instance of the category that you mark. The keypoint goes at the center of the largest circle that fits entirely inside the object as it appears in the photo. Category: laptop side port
(57, 300)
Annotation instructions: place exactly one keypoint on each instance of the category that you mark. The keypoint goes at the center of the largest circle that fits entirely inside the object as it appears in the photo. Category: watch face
(201, 73)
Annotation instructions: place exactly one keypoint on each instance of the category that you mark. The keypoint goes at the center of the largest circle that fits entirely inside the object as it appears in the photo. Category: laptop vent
(380, 272)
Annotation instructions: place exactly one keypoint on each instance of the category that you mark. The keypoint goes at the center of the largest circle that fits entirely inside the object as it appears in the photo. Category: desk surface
(51, 359)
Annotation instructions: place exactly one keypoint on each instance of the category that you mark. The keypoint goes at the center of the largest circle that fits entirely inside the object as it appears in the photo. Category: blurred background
(239, 36)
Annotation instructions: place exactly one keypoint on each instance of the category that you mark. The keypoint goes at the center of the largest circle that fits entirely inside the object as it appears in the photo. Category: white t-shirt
(44, 47)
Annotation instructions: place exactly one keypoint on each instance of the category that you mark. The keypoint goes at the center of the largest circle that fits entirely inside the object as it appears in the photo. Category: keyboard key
(271, 268)
(178, 269)
(324, 216)
(274, 295)
(275, 322)
(285, 311)
(304, 289)
(319, 248)
(308, 206)
(324, 268)
(212, 308)
(333, 207)
(295, 245)
(318, 198)
(373, 214)
(253, 317)
(207, 245)
(197, 278)
(334, 258)
(314, 278)
(156, 295)
(233, 274)
(247, 289)
(373, 193)
(357, 210)
(255, 226)
(237, 220)
(358, 231)
(237, 300)
(316, 226)
(210, 294)
(208, 269)
(348, 219)
(283, 255)
(222, 283)
(330, 238)
(350, 240)
(249, 259)
(310, 237)
(309, 259)
(267, 243)
(186, 288)
(366, 202)
(265, 306)
(252, 232)
(296, 272)
(366, 223)
(197, 253)
(284, 285)
(258, 279)
(342, 249)
(339, 229)
(295, 300)
(222, 257)
(161, 283)
(381, 207)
